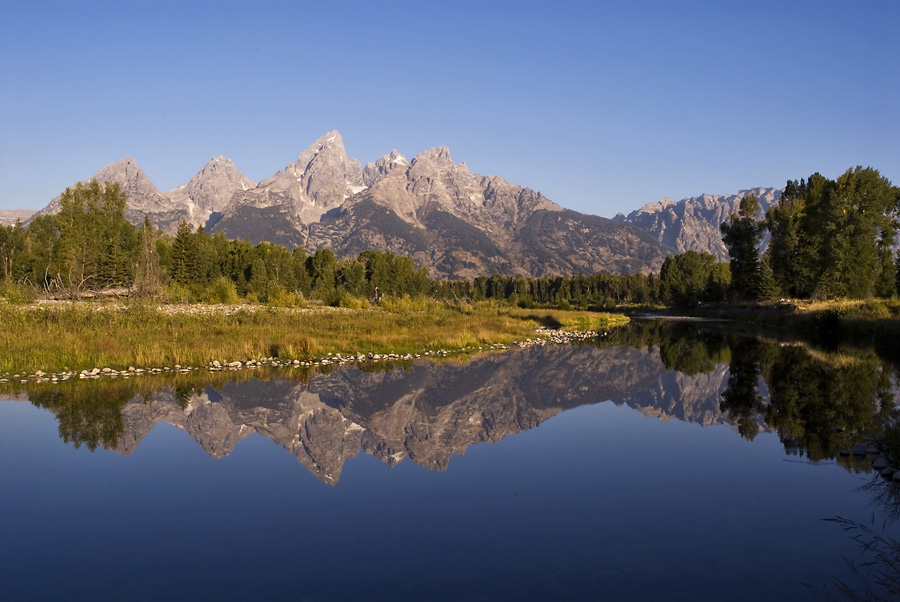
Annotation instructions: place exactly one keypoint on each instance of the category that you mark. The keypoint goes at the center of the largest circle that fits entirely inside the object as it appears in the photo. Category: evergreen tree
(147, 277)
(184, 255)
(742, 235)
(321, 265)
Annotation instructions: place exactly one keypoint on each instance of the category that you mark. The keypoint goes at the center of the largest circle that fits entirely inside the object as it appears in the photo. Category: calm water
(665, 463)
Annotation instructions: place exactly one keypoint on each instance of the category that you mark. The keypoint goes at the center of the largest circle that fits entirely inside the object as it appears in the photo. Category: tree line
(89, 245)
(826, 239)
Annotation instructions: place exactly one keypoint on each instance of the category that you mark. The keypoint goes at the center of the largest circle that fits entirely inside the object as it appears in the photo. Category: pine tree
(741, 235)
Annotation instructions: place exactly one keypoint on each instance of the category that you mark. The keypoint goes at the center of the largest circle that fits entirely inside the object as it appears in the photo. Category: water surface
(665, 462)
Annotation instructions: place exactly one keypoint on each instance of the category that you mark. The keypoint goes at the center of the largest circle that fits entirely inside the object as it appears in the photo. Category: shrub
(278, 297)
(222, 290)
(17, 293)
(405, 303)
(178, 293)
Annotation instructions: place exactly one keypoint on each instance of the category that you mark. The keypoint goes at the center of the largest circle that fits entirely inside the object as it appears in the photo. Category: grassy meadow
(84, 335)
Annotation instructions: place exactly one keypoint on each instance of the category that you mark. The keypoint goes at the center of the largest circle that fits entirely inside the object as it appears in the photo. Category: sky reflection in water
(578, 496)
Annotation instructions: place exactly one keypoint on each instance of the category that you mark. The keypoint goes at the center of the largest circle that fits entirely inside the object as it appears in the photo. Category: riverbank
(69, 337)
(848, 319)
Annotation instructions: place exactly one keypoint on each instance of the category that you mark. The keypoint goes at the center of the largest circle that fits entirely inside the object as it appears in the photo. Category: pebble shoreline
(548, 337)
(882, 462)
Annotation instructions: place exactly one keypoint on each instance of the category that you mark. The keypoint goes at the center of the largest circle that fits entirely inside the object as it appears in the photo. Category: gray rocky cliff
(321, 179)
(143, 197)
(456, 223)
(9, 217)
(693, 224)
(210, 190)
(374, 172)
(207, 192)
(462, 225)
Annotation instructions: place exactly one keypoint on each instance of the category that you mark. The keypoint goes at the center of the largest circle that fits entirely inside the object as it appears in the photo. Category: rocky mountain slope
(9, 217)
(456, 223)
(194, 202)
(693, 224)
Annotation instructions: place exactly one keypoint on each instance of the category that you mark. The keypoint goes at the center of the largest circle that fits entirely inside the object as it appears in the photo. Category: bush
(223, 291)
(178, 293)
(278, 297)
(17, 293)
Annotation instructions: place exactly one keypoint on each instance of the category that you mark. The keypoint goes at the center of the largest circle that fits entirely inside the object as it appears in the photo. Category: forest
(825, 239)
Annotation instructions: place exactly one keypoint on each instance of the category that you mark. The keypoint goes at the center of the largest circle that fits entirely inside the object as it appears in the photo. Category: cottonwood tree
(834, 238)
(96, 245)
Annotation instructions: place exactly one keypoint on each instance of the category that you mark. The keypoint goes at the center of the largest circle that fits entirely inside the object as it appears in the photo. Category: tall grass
(83, 335)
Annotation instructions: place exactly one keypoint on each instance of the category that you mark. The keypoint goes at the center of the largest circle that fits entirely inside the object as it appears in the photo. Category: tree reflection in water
(818, 402)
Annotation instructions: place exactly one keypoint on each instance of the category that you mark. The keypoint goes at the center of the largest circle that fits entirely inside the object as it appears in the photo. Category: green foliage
(742, 235)
(222, 291)
(12, 242)
(692, 277)
(16, 293)
(179, 293)
(833, 238)
(96, 246)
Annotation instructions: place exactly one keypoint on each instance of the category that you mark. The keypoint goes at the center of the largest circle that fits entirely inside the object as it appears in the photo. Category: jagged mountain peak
(126, 167)
(439, 157)
(692, 224)
(446, 218)
(219, 165)
(143, 196)
(374, 172)
(329, 146)
(211, 189)
(321, 179)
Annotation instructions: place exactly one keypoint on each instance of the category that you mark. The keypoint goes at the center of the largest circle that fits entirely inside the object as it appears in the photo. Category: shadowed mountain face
(456, 223)
(428, 412)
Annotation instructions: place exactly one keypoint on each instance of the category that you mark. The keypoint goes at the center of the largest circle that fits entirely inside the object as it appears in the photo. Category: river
(665, 461)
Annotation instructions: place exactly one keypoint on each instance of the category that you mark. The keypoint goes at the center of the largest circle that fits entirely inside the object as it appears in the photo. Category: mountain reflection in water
(817, 402)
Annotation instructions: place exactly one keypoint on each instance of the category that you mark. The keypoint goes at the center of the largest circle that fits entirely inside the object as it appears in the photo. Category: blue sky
(602, 106)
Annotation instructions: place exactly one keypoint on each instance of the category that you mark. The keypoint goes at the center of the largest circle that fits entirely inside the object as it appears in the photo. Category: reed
(84, 335)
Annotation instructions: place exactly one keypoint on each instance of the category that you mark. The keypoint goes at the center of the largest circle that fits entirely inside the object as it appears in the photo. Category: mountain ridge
(457, 223)
(692, 224)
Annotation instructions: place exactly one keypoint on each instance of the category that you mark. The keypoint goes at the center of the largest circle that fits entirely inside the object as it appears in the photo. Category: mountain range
(456, 223)
(693, 224)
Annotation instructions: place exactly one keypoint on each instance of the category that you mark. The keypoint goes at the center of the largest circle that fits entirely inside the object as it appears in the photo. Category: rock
(693, 224)
(880, 462)
(859, 449)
